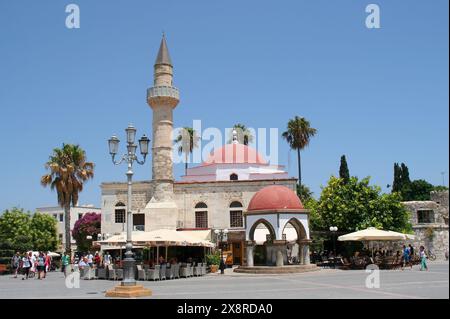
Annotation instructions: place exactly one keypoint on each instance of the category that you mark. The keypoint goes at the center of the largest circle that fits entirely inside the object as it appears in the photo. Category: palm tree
(298, 135)
(244, 136)
(68, 171)
(187, 140)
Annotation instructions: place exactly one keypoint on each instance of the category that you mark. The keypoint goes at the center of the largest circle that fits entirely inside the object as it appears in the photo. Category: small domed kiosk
(275, 207)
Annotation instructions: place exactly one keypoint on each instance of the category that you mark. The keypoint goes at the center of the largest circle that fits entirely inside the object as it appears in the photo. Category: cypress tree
(396, 184)
(343, 170)
(405, 175)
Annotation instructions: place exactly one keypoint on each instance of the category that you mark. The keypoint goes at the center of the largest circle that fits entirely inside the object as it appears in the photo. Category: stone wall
(113, 193)
(434, 236)
(216, 195)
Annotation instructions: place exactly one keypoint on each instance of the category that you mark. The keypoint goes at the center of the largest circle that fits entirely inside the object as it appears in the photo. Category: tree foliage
(44, 232)
(21, 231)
(343, 170)
(357, 205)
(187, 140)
(88, 225)
(69, 170)
(417, 190)
(304, 193)
(298, 134)
(401, 178)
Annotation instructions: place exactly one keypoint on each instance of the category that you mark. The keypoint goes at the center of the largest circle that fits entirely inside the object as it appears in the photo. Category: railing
(157, 91)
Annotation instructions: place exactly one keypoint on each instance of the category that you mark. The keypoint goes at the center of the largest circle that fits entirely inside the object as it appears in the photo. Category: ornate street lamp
(221, 235)
(333, 230)
(128, 287)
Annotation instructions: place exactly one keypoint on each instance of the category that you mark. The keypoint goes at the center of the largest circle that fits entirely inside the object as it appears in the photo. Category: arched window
(236, 219)
(233, 177)
(201, 215)
(120, 213)
(201, 205)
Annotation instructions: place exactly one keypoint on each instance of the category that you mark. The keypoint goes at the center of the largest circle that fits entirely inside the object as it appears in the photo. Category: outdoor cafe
(160, 254)
(380, 247)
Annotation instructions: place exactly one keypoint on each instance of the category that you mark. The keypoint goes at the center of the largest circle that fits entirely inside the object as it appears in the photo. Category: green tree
(440, 188)
(244, 135)
(298, 135)
(304, 193)
(187, 140)
(396, 184)
(358, 205)
(402, 182)
(418, 190)
(343, 170)
(15, 229)
(44, 232)
(69, 170)
(316, 222)
(404, 175)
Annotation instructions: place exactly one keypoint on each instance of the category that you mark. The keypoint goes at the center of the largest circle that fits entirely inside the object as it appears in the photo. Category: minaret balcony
(163, 91)
(163, 95)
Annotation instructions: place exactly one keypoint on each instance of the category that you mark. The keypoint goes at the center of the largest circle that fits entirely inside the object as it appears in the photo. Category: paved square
(327, 283)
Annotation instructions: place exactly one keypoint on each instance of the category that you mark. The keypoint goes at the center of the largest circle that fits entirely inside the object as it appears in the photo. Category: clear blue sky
(378, 96)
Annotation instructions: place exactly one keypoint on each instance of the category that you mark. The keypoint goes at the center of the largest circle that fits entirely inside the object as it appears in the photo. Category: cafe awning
(160, 237)
(374, 234)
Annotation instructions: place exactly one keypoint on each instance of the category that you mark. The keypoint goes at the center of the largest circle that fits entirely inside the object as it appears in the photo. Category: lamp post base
(121, 291)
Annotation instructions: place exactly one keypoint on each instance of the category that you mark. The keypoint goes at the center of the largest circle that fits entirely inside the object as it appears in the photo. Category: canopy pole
(167, 248)
(157, 255)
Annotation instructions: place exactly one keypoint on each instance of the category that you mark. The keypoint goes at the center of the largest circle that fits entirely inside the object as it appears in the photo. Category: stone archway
(300, 247)
(266, 223)
(251, 243)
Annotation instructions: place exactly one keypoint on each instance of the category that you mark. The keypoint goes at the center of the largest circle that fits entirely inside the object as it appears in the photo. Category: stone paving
(326, 283)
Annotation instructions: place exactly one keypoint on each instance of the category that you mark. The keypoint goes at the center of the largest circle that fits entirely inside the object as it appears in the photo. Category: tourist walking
(33, 261)
(40, 262)
(47, 263)
(107, 259)
(15, 263)
(64, 263)
(411, 251)
(97, 260)
(406, 257)
(423, 258)
(26, 266)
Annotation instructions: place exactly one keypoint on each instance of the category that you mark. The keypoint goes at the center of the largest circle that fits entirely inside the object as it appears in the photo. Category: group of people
(30, 263)
(409, 253)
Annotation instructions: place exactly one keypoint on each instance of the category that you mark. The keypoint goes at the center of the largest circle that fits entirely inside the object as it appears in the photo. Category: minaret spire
(163, 97)
(163, 56)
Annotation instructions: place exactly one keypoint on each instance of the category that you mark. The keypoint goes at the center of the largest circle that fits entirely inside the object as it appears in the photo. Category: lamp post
(333, 230)
(129, 157)
(221, 237)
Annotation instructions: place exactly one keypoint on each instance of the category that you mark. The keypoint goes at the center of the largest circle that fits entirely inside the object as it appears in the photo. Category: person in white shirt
(423, 258)
(107, 259)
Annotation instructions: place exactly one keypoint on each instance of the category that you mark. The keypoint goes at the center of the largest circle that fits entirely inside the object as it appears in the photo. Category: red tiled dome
(275, 197)
(235, 154)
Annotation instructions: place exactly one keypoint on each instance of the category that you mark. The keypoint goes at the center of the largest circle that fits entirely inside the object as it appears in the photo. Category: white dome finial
(235, 138)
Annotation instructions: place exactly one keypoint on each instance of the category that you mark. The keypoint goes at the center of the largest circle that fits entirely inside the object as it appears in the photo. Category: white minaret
(162, 98)
(161, 211)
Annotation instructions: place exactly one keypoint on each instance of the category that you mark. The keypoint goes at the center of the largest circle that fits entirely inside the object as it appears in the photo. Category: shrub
(213, 259)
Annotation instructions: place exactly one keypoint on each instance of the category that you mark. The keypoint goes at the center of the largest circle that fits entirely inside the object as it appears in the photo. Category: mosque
(235, 189)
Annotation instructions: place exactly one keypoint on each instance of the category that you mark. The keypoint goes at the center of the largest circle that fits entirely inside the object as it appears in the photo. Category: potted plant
(213, 260)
